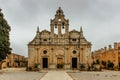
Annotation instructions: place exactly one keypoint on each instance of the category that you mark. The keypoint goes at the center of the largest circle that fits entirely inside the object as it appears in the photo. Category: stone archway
(1, 63)
(60, 58)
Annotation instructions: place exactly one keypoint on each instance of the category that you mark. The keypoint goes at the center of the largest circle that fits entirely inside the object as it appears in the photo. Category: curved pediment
(74, 34)
(74, 31)
(45, 31)
(45, 34)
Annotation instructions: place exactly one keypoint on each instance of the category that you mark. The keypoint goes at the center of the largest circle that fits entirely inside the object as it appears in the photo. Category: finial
(0, 9)
(81, 29)
(59, 12)
(38, 29)
(59, 8)
(81, 32)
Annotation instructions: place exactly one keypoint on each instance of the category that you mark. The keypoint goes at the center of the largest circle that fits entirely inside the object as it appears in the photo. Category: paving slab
(107, 75)
(56, 75)
(20, 75)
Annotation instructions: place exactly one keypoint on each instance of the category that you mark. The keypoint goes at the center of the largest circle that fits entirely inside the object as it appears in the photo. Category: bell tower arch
(60, 24)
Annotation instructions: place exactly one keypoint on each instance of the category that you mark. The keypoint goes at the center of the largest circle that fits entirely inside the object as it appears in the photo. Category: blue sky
(100, 20)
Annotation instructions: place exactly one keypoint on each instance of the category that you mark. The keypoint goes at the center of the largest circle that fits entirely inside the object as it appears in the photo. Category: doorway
(119, 65)
(60, 63)
(74, 62)
(45, 62)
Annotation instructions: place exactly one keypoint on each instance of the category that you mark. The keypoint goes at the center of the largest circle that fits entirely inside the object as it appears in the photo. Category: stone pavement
(20, 74)
(103, 75)
(56, 75)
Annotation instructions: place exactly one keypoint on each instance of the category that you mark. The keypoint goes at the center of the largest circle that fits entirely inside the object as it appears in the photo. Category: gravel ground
(107, 75)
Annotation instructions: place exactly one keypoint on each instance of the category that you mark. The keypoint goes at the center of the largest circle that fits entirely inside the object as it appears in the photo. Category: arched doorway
(45, 62)
(3, 64)
(74, 62)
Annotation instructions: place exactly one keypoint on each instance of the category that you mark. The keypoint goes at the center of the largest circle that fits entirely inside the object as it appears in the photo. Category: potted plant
(97, 65)
(82, 67)
(110, 65)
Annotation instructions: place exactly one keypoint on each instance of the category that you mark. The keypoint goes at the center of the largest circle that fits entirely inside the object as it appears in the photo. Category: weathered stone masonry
(64, 49)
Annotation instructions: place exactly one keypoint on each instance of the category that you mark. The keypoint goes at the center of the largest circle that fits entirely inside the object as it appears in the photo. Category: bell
(55, 26)
(63, 27)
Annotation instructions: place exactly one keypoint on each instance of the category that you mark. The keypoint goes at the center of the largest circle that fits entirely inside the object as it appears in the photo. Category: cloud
(99, 18)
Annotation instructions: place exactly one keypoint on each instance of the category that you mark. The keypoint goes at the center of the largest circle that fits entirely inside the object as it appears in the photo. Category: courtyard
(103, 75)
(21, 74)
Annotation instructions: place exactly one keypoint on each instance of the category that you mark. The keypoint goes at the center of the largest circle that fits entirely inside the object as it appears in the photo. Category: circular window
(45, 52)
(74, 51)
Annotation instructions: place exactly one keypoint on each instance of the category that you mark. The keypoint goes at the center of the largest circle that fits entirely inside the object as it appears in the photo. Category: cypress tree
(4, 37)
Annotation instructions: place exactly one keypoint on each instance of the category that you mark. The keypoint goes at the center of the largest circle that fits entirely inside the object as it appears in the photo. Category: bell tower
(60, 24)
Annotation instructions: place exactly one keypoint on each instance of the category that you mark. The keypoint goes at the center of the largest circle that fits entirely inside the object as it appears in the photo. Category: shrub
(110, 65)
(29, 68)
(97, 61)
(60, 65)
(104, 64)
(36, 65)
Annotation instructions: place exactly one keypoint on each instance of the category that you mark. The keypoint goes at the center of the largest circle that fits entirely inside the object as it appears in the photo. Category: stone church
(59, 47)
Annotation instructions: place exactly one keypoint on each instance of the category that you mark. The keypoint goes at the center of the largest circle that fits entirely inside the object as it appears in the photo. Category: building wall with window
(59, 47)
(106, 55)
(14, 60)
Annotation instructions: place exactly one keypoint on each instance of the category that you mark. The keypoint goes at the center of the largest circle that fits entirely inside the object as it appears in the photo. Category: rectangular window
(118, 48)
(74, 40)
(44, 39)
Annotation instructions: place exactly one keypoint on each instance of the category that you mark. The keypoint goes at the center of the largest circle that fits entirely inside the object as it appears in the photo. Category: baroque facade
(64, 49)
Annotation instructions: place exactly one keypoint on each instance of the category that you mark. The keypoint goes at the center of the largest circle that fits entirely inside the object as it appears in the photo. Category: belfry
(59, 47)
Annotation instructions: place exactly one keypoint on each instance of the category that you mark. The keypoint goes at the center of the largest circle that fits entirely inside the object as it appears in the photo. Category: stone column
(37, 53)
(52, 30)
(66, 30)
(59, 30)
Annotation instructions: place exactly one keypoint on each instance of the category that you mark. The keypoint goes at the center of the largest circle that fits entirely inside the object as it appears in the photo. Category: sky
(100, 20)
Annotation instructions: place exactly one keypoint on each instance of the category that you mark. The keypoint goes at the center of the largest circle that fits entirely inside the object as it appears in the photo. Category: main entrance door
(74, 62)
(45, 62)
(60, 63)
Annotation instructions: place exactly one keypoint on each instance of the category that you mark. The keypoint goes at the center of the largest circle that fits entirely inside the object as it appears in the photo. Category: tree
(4, 37)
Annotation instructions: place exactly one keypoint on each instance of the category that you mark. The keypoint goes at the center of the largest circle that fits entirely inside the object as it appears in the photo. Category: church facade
(59, 47)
